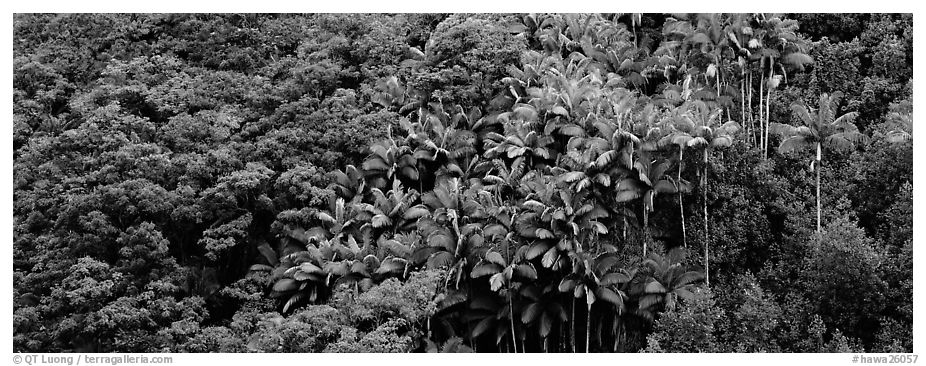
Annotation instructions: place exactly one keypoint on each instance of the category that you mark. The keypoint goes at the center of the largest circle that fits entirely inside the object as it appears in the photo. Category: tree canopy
(462, 182)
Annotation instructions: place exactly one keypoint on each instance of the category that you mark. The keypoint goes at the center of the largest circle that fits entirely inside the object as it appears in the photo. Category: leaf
(559, 110)
(626, 195)
(793, 143)
(442, 241)
(309, 267)
(422, 254)
(689, 277)
(324, 216)
(482, 327)
(537, 249)
(610, 296)
(451, 298)
(546, 324)
(572, 130)
(285, 284)
(391, 265)
(684, 294)
(485, 269)
(665, 186)
(614, 278)
(605, 158)
(649, 300)
(534, 205)
(526, 271)
(542, 233)
(566, 285)
(375, 164)
(549, 258)
(525, 112)
(381, 220)
(495, 231)
(530, 313)
(584, 183)
(306, 276)
(697, 142)
(654, 287)
(336, 268)
(497, 281)
(797, 59)
(722, 141)
(495, 257)
(292, 300)
(440, 260)
(416, 212)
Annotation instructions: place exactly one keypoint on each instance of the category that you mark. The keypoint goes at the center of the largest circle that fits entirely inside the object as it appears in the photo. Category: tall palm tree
(504, 275)
(680, 135)
(820, 128)
(542, 307)
(776, 45)
(709, 134)
(595, 278)
(649, 177)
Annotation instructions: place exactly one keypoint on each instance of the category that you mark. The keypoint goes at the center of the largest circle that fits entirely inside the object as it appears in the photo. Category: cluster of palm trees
(536, 212)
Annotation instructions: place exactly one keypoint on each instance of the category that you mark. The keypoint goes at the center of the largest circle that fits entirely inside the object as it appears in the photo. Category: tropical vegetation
(613, 182)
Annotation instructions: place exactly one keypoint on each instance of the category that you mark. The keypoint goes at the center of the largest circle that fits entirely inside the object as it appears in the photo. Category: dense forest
(462, 182)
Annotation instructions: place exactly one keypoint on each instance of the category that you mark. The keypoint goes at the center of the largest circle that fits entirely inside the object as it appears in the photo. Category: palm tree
(709, 134)
(668, 281)
(776, 41)
(522, 145)
(649, 177)
(820, 128)
(542, 307)
(389, 160)
(710, 35)
(595, 278)
(504, 274)
(680, 136)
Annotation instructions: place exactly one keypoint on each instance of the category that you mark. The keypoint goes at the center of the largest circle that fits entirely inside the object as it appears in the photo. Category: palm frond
(794, 143)
(803, 114)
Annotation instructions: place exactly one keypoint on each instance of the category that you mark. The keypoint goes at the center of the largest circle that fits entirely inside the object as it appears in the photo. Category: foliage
(465, 182)
(690, 328)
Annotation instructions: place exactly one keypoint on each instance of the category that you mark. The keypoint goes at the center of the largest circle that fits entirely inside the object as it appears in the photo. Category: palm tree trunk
(743, 99)
(617, 333)
(572, 338)
(681, 206)
(633, 24)
(588, 328)
(707, 238)
(514, 340)
(752, 119)
(645, 229)
(761, 124)
(717, 61)
(768, 113)
(819, 206)
(561, 345)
